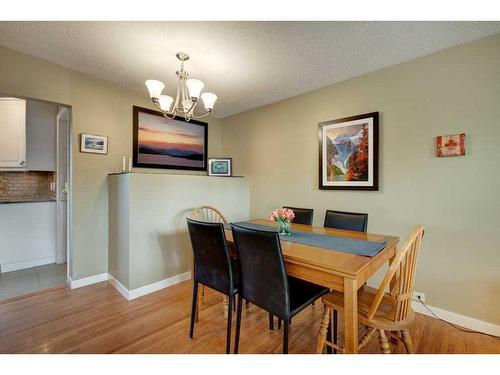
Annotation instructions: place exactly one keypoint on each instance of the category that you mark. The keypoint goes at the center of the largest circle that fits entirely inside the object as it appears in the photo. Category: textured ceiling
(247, 64)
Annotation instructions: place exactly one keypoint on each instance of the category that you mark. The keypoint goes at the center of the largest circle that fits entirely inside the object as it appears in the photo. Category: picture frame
(450, 145)
(348, 153)
(220, 167)
(159, 142)
(93, 144)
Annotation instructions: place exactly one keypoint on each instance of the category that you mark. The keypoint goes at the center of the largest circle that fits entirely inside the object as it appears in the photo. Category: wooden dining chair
(209, 214)
(346, 220)
(378, 310)
(302, 215)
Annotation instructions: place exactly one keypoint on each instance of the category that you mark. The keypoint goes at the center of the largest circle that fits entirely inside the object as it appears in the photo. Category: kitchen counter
(26, 201)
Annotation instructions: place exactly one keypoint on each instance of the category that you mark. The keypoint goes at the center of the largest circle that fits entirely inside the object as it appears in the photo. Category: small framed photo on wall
(94, 144)
(450, 145)
(220, 167)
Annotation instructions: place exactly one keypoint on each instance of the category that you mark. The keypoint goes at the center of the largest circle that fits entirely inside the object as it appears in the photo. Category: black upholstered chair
(302, 215)
(346, 220)
(264, 281)
(213, 267)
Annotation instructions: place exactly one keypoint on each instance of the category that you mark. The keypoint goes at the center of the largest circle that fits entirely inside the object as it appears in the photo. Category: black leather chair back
(346, 220)
(212, 262)
(302, 215)
(263, 278)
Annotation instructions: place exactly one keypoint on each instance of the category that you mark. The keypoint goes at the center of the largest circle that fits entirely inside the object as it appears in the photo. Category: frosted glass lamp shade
(194, 86)
(155, 88)
(165, 102)
(209, 99)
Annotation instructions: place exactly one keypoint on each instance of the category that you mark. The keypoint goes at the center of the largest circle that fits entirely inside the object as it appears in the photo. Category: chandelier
(188, 93)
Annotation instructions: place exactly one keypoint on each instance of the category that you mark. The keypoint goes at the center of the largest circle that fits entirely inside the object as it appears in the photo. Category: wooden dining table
(340, 271)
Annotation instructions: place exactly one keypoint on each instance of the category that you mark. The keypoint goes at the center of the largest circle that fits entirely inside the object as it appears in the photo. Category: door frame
(59, 196)
(69, 209)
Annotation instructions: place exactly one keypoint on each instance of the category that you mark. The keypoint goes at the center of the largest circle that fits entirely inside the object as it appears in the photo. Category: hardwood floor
(97, 319)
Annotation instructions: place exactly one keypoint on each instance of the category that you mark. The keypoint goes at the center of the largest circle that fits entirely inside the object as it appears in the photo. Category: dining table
(335, 269)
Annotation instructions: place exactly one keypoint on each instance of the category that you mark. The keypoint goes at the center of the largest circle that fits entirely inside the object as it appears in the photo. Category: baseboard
(139, 292)
(129, 294)
(16, 266)
(457, 319)
(135, 293)
(119, 287)
(73, 284)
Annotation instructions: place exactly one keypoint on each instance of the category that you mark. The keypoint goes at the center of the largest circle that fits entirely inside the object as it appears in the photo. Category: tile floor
(30, 280)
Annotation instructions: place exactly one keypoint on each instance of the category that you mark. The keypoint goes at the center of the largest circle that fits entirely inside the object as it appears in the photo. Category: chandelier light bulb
(194, 87)
(187, 97)
(165, 102)
(209, 99)
(155, 88)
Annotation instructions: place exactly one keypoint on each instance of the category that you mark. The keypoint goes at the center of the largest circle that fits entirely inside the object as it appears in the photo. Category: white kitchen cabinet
(12, 133)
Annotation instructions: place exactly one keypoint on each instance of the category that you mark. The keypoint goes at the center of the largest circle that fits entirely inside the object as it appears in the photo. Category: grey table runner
(343, 244)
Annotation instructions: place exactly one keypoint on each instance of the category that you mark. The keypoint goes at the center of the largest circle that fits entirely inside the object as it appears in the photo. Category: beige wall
(98, 107)
(152, 243)
(457, 90)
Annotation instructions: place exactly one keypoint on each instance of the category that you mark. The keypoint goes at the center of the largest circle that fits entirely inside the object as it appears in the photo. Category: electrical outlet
(418, 296)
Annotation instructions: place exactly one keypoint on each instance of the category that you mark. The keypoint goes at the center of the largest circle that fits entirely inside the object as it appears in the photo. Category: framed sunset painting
(160, 142)
(348, 153)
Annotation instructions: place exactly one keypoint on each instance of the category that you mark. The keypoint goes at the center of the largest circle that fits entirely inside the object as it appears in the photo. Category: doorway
(35, 198)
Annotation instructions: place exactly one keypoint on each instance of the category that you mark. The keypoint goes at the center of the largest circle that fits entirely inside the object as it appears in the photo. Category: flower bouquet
(283, 216)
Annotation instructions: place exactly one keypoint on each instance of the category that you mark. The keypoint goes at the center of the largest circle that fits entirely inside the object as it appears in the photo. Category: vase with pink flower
(284, 217)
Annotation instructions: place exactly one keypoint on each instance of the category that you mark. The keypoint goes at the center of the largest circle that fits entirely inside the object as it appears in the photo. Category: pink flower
(281, 213)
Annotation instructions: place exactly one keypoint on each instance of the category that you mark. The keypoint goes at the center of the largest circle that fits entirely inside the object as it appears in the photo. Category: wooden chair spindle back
(208, 214)
(403, 268)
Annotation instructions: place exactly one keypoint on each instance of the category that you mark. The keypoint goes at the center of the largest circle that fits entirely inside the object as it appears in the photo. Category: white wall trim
(119, 286)
(73, 284)
(457, 319)
(139, 292)
(9, 267)
(135, 293)
(129, 294)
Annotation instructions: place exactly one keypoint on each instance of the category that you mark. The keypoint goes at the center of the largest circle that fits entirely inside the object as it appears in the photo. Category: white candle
(129, 165)
(123, 165)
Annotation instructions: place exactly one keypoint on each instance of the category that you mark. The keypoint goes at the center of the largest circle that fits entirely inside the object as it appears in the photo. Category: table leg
(350, 316)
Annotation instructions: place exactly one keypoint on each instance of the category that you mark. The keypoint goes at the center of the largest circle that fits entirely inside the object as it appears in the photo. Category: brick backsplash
(27, 186)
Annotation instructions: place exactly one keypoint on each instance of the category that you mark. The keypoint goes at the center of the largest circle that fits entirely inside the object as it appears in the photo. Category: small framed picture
(451, 145)
(94, 144)
(220, 167)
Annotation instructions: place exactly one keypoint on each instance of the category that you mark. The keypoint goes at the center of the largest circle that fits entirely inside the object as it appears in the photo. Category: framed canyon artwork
(160, 142)
(451, 145)
(348, 153)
